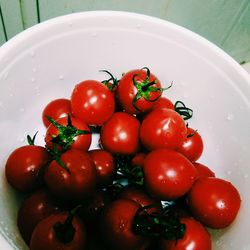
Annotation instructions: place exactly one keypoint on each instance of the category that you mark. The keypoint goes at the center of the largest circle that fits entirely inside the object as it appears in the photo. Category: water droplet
(185, 95)
(230, 117)
(245, 176)
(21, 139)
(229, 172)
(33, 79)
(21, 110)
(34, 69)
(219, 242)
(61, 77)
(11, 95)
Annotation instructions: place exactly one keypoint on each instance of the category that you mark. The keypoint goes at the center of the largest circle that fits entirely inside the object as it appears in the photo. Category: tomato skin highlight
(163, 128)
(105, 166)
(44, 236)
(92, 102)
(24, 167)
(81, 142)
(168, 174)
(117, 225)
(76, 184)
(56, 109)
(120, 134)
(214, 202)
(192, 146)
(36, 207)
(126, 91)
(196, 237)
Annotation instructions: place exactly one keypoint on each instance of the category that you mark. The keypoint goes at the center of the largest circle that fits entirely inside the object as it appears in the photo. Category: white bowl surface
(47, 60)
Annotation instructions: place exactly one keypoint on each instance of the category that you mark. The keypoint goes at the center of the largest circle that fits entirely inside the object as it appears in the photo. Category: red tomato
(120, 134)
(192, 146)
(163, 102)
(117, 226)
(168, 174)
(163, 128)
(105, 166)
(138, 90)
(68, 136)
(203, 171)
(196, 237)
(44, 236)
(138, 159)
(24, 167)
(74, 182)
(92, 102)
(56, 109)
(214, 202)
(36, 207)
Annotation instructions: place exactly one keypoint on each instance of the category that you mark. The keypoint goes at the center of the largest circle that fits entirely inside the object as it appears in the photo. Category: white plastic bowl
(47, 60)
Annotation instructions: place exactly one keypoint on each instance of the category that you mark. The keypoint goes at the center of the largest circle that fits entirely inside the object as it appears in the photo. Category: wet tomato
(73, 177)
(92, 102)
(163, 128)
(168, 174)
(120, 134)
(25, 166)
(214, 202)
(138, 90)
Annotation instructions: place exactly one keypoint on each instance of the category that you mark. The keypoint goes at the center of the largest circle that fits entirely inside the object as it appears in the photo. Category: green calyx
(183, 110)
(65, 231)
(164, 224)
(67, 134)
(145, 88)
(31, 141)
(110, 83)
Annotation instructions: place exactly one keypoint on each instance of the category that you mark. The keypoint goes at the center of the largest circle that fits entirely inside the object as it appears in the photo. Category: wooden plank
(2, 29)
(211, 19)
(49, 9)
(12, 17)
(29, 13)
(237, 42)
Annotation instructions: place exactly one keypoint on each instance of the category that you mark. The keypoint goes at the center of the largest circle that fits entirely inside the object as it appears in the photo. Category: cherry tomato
(75, 180)
(117, 225)
(203, 171)
(24, 167)
(163, 128)
(36, 207)
(56, 109)
(196, 237)
(168, 174)
(138, 159)
(138, 90)
(120, 134)
(192, 146)
(163, 102)
(92, 102)
(214, 202)
(105, 166)
(44, 235)
(72, 133)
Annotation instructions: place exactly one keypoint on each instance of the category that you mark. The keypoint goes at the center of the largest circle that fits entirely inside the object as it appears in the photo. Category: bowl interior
(46, 61)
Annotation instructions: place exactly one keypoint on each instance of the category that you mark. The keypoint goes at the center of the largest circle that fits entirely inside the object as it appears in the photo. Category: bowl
(47, 60)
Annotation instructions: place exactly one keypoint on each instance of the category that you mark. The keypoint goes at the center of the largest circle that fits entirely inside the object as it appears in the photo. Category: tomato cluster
(141, 189)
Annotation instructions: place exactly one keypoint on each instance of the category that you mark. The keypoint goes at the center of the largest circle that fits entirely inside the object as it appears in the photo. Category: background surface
(224, 22)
